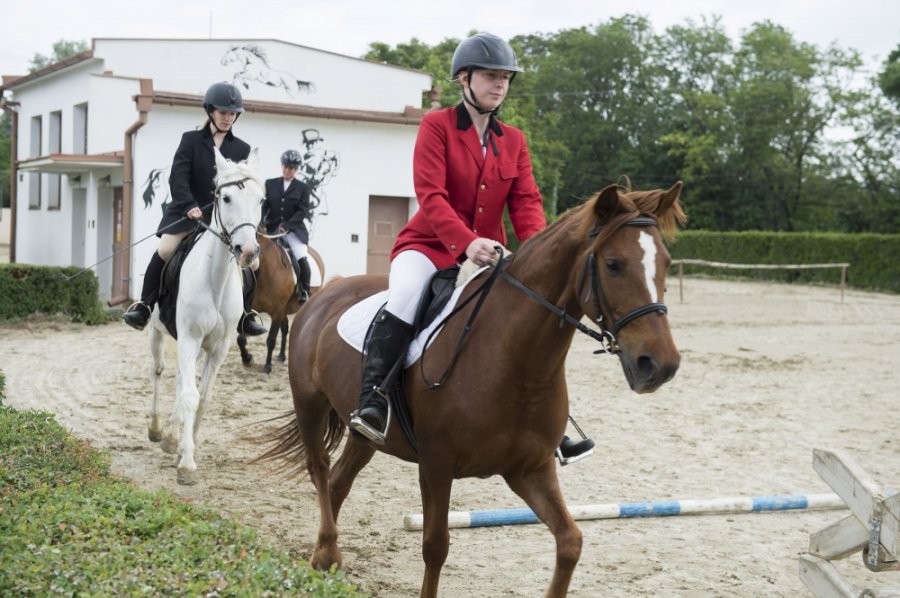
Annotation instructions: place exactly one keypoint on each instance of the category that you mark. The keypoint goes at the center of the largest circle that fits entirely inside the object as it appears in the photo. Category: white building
(95, 134)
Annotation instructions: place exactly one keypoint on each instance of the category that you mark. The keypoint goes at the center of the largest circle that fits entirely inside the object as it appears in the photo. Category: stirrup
(563, 460)
(135, 308)
(364, 429)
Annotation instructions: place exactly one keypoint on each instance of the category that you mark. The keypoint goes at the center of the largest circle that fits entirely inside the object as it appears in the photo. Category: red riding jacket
(462, 190)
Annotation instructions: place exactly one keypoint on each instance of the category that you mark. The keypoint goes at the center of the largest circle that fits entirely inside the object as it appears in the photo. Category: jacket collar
(464, 120)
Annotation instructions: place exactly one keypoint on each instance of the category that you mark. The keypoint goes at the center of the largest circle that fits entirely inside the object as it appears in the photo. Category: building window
(34, 190)
(54, 191)
(35, 149)
(80, 129)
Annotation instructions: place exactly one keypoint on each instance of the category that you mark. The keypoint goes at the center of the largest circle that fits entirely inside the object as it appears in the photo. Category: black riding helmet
(291, 158)
(483, 51)
(224, 96)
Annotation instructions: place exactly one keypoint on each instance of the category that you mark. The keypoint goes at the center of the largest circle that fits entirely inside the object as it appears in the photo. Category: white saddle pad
(353, 325)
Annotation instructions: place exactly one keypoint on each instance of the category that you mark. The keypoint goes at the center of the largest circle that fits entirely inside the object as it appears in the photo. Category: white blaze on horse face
(649, 261)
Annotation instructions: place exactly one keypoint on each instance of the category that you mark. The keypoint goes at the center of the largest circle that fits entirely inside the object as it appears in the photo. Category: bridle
(595, 293)
(607, 335)
(225, 236)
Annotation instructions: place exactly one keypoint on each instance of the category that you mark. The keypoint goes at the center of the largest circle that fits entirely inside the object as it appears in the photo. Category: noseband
(225, 236)
(595, 294)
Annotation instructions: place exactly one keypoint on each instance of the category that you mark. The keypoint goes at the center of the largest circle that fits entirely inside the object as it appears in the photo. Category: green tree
(420, 56)
(889, 78)
(62, 49)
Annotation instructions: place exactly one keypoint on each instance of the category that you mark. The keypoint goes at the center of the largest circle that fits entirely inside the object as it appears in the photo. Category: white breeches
(410, 272)
(298, 247)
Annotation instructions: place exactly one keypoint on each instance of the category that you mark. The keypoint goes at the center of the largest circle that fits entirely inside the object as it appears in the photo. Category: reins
(607, 335)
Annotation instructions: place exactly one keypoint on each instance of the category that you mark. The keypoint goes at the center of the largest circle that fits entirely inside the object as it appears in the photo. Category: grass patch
(68, 526)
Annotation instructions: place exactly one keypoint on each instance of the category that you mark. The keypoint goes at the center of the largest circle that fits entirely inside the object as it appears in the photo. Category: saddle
(169, 281)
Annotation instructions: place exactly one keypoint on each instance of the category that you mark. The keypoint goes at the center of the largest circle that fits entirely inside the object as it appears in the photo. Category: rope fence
(681, 263)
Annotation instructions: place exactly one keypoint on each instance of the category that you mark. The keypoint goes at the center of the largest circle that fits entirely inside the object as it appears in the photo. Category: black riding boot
(249, 324)
(572, 451)
(138, 314)
(303, 283)
(387, 344)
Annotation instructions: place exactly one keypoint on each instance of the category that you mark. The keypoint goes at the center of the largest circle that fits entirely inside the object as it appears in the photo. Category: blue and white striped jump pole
(660, 508)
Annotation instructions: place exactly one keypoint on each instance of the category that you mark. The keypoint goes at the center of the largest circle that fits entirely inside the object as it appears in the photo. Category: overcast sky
(348, 26)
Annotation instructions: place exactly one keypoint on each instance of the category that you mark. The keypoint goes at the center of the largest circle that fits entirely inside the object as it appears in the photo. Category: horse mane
(241, 169)
(580, 220)
(257, 51)
(632, 204)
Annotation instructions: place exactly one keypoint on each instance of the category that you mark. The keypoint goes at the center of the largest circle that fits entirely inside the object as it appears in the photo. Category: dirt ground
(768, 373)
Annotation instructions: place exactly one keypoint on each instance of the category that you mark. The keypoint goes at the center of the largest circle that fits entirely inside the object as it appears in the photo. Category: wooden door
(387, 215)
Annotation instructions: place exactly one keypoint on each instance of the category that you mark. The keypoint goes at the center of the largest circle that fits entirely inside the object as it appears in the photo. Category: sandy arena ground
(769, 372)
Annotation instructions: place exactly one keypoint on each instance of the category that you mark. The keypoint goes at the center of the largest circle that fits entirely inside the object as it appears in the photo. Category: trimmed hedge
(27, 289)
(874, 259)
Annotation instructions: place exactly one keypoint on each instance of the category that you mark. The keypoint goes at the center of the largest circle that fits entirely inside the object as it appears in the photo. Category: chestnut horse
(503, 409)
(276, 282)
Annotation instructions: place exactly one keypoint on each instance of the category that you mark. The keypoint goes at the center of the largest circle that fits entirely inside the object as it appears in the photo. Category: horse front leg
(282, 355)
(270, 346)
(435, 485)
(211, 367)
(157, 367)
(246, 357)
(539, 488)
(187, 402)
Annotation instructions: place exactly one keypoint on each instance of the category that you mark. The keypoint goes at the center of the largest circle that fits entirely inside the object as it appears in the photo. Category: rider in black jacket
(193, 191)
(286, 210)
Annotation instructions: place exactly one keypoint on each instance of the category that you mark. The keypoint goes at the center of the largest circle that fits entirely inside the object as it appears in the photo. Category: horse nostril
(237, 249)
(646, 367)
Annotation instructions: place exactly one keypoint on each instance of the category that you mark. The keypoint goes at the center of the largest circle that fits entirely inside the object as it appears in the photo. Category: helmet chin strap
(212, 121)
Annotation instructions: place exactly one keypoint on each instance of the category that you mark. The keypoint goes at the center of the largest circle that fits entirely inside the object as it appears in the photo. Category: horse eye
(226, 198)
(613, 266)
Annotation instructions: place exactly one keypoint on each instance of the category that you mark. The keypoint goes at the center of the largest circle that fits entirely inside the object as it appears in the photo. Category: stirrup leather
(358, 424)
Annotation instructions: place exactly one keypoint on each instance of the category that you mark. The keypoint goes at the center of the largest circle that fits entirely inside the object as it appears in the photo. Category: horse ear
(607, 204)
(221, 161)
(668, 198)
(253, 159)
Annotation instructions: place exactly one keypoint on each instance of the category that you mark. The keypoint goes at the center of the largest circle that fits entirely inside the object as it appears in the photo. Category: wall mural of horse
(209, 305)
(504, 407)
(252, 66)
(157, 182)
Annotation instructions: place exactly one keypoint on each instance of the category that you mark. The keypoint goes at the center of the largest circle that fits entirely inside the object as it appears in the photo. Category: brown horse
(503, 409)
(275, 296)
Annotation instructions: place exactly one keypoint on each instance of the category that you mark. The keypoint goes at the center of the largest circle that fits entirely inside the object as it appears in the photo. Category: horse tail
(288, 444)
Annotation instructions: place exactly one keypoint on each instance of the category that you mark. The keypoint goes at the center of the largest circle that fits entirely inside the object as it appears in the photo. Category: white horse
(209, 305)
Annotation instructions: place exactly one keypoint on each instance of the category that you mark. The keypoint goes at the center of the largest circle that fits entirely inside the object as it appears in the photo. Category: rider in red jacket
(467, 167)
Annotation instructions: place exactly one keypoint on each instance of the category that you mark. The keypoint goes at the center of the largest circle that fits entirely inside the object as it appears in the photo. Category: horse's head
(623, 278)
(239, 195)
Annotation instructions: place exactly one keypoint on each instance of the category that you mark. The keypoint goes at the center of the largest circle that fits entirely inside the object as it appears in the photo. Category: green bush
(69, 527)
(874, 259)
(26, 290)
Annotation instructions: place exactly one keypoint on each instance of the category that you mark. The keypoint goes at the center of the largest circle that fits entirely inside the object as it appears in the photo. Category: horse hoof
(322, 559)
(282, 358)
(169, 444)
(267, 369)
(187, 477)
(154, 435)
(247, 359)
